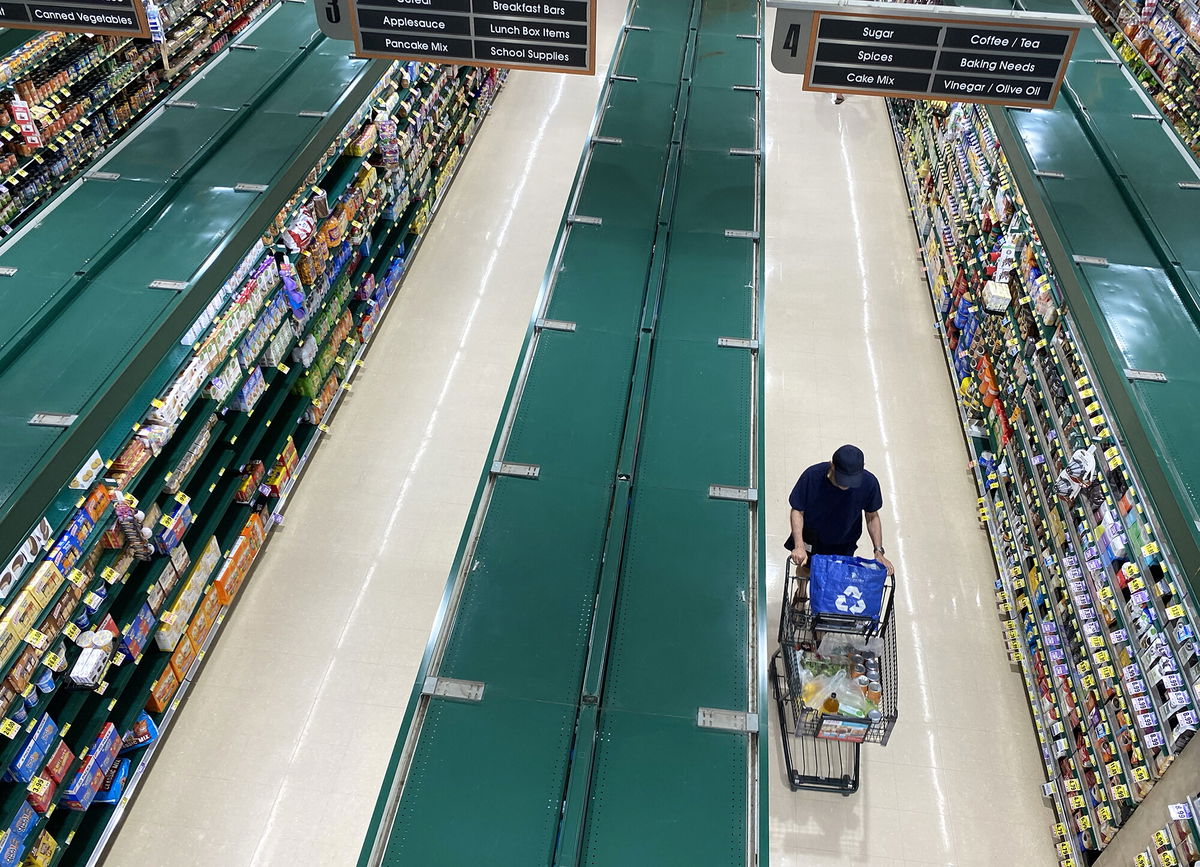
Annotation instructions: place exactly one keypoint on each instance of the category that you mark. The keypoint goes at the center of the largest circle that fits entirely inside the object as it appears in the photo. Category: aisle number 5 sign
(925, 52)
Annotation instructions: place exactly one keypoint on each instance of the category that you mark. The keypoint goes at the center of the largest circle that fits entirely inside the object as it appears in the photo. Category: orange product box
(98, 501)
(163, 690)
(204, 618)
(183, 657)
(234, 571)
(256, 531)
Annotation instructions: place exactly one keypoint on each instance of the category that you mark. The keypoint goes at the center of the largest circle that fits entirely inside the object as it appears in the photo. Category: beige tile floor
(852, 357)
(281, 749)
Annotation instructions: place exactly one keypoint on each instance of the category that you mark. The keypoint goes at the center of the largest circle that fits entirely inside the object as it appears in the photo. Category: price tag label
(1120, 792)
(110, 575)
(71, 631)
(282, 368)
(38, 786)
(1104, 813)
(1107, 671)
(1160, 837)
(1113, 768)
(1096, 641)
(1102, 656)
(1071, 785)
(1175, 612)
(52, 660)
(1060, 830)
(9, 729)
(91, 600)
(102, 688)
(1141, 774)
(1088, 682)
(1149, 549)
(1180, 812)
(1142, 860)
(36, 639)
(1135, 585)
(1167, 859)
(1077, 802)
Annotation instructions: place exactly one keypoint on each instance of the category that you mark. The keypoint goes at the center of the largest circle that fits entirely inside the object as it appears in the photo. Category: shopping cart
(822, 750)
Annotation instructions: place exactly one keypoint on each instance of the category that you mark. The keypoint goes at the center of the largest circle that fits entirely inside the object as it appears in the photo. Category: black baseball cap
(848, 466)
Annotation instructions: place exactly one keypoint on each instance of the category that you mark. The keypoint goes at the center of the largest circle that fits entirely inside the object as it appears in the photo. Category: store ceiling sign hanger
(925, 52)
(103, 17)
(545, 35)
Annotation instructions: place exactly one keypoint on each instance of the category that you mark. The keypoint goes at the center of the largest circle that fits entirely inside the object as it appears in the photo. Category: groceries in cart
(840, 676)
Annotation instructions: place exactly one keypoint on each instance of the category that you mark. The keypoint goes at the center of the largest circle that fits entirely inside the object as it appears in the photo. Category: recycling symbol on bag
(844, 603)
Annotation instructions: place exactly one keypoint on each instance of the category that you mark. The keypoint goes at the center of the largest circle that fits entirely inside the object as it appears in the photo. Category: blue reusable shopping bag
(849, 586)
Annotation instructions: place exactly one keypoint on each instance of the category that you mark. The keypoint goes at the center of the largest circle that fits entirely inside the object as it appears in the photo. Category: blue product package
(143, 733)
(24, 821)
(114, 784)
(849, 586)
(12, 848)
(33, 752)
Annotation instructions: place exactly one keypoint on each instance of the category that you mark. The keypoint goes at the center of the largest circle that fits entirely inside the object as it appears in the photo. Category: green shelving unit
(563, 700)
(143, 309)
(1062, 258)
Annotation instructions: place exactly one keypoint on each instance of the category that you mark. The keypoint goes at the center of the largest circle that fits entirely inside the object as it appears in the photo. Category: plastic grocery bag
(849, 586)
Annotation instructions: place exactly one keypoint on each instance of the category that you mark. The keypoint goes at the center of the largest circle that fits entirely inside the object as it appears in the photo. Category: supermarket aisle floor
(852, 357)
(280, 751)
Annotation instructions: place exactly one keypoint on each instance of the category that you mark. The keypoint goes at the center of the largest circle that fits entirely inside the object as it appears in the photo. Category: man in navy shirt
(828, 504)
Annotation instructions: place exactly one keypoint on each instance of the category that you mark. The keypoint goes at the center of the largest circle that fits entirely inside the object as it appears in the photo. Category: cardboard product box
(22, 670)
(84, 786)
(162, 691)
(12, 848)
(137, 634)
(65, 554)
(24, 821)
(20, 614)
(234, 571)
(114, 783)
(143, 733)
(155, 597)
(44, 583)
(41, 801)
(41, 854)
(98, 501)
(276, 479)
(183, 657)
(32, 755)
(180, 558)
(59, 762)
(205, 618)
(256, 531)
(8, 643)
(80, 528)
(106, 746)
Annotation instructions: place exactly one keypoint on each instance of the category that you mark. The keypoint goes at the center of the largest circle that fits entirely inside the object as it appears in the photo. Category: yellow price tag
(1088, 682)
(102, 688)
(1095, 641)
(1060, 830)
(1141, 774)
(182, 498)
(157, 404)
(91, 600)
(71, 631)
(1167, 859)
(1160, 837)
(1136, 584)
(282, 368)
(1120, 792)
(1084, 821)
(38, 785)
(9, 729)
(110, 575)
(1104, 813)
(36, 638)
(1175, 612)
(52, 660)
(77, 578)
(1102, 656)
(1064, 848)
(1107, 672)
(1071, 785)
(1150, 549)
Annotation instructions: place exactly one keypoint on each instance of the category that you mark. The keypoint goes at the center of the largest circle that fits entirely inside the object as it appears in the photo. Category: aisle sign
(545, 35)
(960, 55)
(103, 17)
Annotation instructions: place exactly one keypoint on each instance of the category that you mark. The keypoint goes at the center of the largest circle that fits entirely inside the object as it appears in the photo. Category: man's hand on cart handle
(800, 556)
(879, 558)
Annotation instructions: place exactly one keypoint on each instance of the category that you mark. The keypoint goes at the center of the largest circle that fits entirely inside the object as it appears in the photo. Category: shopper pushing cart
(828, 504)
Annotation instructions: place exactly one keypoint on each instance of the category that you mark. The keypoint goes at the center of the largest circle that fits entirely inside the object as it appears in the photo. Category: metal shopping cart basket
(822, 750)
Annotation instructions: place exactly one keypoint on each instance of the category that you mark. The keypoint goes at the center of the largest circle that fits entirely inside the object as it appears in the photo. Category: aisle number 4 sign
(922, 52)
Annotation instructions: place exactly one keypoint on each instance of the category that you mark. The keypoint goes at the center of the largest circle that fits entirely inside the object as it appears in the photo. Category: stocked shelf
(1160, 41)
(1095, 608)
(85, 92)
(172, 512)
(1177, 842)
